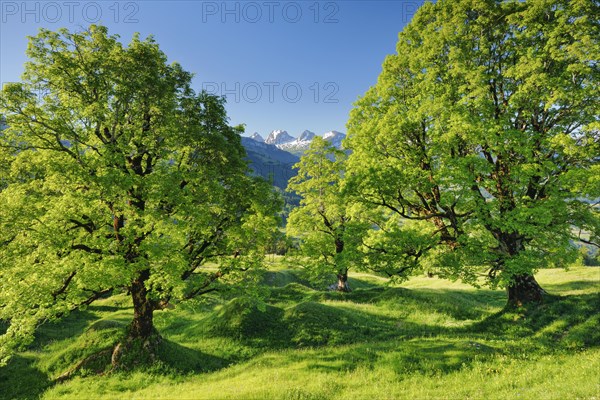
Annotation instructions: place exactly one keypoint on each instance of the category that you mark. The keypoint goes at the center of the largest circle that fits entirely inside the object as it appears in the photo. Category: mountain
(274, 157)
(256, 136)
(335, 138)
(306, 135)
(278, 137)
(299, 145)
(270, 162)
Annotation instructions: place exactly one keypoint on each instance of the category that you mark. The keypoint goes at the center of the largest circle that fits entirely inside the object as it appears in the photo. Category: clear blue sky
(290, 65)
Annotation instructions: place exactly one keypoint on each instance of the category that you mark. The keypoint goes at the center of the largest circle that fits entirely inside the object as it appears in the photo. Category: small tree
(116, 175)
(485, 125)
(322, 222)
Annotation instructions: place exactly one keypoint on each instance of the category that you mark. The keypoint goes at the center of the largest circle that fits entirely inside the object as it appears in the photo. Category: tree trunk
(142, 326)
(142, 341)
(524, 289)
(342, 275)
(342, 285)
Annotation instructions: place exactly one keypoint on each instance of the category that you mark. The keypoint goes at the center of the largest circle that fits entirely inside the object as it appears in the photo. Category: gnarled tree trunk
(342, 275)
(141, 343)
(342, 285)
(524, 289)
(142, 326)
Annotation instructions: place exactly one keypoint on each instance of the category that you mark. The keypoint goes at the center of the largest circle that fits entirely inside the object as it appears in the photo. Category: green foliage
(328, 235)
(115, 174)
(484, 126)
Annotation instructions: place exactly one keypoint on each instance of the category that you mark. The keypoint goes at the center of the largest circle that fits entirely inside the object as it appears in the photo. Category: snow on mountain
(282, 140)
(299, 145)
(335, 138)
(278, 137)
(306, 135)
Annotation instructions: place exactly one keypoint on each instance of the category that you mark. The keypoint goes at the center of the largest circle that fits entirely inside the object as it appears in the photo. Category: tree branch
(65, 285)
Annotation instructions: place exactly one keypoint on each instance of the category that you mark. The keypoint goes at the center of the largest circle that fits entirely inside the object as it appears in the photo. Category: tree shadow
(463, 304)
(106, 308)
(281, 278)
(186, 360)
(441, 355)
(20, 379)
(402, 357)
(457, 304)
(70, 326)
(291, 292)
(304, 324)
(560, 321)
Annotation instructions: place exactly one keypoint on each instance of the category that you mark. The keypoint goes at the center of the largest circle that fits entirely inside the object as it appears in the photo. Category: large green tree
(322, 223)
(485, 125)
(116, 175)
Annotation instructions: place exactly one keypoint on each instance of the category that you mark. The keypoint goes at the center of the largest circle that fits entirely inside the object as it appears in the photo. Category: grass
(426, 338)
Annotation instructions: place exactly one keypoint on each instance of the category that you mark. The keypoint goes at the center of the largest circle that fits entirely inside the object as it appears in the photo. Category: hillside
(270, 162)
(427, 338)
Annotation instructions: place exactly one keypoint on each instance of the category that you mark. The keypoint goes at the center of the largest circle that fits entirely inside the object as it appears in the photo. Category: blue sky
(290, 65)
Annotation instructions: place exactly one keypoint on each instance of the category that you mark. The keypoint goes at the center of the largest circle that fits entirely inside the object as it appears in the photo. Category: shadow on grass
(105, 308)
(434, 356)
(291, 293)
(464, 304)
(303, 324)
(560, 321)
(70, 326)
(457, 304)
(283, 277)
(21, 380)
(428, 356)
(186, 360)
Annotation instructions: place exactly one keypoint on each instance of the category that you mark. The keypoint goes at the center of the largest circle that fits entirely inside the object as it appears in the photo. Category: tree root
(83, 364)
(132, 352)
(126, 354)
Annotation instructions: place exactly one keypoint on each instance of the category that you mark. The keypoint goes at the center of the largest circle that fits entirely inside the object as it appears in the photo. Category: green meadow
(424, 338)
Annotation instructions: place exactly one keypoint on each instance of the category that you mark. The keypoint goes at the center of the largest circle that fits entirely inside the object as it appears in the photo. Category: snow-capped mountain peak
(282, 140)
(306, 136)
(335, 138)
(277, 137)
(256, 136)
(332, 134)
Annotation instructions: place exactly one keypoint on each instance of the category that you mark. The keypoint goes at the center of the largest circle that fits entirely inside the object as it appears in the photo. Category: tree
(322, 223)
(485, 125)
(118, 176)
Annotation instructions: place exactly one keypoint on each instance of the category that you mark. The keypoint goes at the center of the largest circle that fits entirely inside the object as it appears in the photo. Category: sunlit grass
(424, 338)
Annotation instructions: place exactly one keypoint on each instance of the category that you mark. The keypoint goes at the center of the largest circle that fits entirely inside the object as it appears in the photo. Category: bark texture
(524, 289)
(342, 284)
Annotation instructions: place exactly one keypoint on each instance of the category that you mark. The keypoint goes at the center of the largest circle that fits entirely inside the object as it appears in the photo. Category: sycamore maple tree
(483, 130)
(328, 234)
(116, 175)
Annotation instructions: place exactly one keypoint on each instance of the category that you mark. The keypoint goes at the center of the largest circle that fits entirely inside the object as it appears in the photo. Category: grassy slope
(427, 339)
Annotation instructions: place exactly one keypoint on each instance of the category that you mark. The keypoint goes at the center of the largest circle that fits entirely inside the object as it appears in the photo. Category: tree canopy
(485, 125)
(328, 234)
(116, 175)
